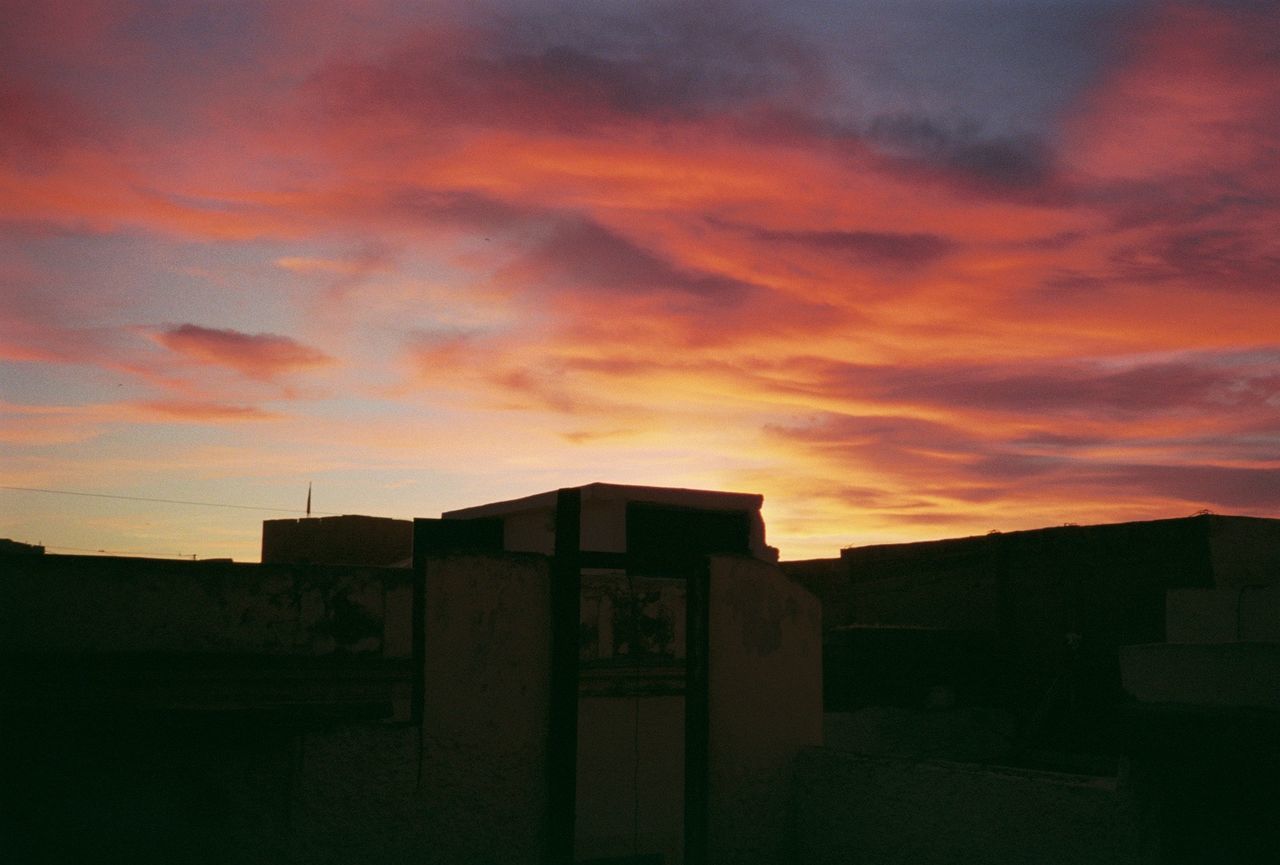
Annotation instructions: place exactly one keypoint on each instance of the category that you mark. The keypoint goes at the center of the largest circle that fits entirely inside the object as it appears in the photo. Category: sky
(910, 268)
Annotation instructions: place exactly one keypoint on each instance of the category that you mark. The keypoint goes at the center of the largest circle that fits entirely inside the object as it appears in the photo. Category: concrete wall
(529, 522)
(1244, 550)
(1244, 613)
(881, 811)
(1204, 674)
(631, 777)
(1055, 603)
(485, 715)
(99, 604)
(469, 788)
(631, 717)
(1111, 578)
(341, 540)
(1109, 575)
(530, 532)
(263, 738)
(765, 705)
(603, 527)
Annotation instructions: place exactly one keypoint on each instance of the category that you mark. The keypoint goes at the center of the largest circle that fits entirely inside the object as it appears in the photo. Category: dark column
(562, 741)
(421, 549)
(697, 716)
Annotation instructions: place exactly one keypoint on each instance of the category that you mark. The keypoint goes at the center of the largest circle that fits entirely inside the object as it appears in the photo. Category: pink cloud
(262, 356)
(676, 245)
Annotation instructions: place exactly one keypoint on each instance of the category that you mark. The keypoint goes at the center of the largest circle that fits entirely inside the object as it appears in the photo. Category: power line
(163, 501)
(140, 553)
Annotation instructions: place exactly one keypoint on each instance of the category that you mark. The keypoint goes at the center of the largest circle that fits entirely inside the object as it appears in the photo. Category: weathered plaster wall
(765, 671)
(471, 790)
(1111, 577)
(881, 811)
(1245, 550)
(487, 674)
(1055, 602)
(631, 776)
(1115, 573)
(98, 604)
(530, 532)
(1204, 674)
(342, 540)
(355, 797)
(1245, 613)
(234, 768)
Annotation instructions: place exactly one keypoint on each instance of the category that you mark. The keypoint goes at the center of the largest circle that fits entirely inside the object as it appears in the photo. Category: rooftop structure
(342, 540)
(651, 524)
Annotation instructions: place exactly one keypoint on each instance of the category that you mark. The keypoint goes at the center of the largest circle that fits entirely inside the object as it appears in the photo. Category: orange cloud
(203, 412)
(914, 299)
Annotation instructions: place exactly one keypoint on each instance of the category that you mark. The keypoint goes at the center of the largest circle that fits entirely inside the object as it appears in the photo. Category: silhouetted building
(615, 673)
(639, 692)
(1144, 655)
(17, 548)
(342, 540)
(1030, 620)
(653, 525)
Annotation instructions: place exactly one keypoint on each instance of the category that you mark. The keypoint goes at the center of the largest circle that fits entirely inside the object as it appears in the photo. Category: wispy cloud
(255, 355)
(908, 268)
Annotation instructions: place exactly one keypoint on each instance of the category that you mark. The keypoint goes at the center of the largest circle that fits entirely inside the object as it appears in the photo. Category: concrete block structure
(341, 540)
(651, 524)
(643, 701)
(1111, 691)
(624, 674)
(1204, 728)
(649, 587)
(1031, 621)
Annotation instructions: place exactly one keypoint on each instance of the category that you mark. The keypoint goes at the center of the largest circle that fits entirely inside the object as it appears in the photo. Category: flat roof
(676, 496)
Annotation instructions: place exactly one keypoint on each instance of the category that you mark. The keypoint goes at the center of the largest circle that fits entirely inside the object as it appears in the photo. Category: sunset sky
(909, 268)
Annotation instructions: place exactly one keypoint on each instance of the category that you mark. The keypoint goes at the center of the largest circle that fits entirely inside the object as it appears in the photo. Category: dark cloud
(581, 254)
(575, 71)
(662, 58)
(932, 459)
(1224, 487)
(1215, 260)
(948, 462)
(969, 91)
(255, 355)
(1203, 382)
(1011, 161)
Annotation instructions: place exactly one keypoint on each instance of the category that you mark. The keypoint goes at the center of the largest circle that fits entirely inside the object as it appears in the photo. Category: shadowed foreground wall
(765, 705)
(171, 712)
(487, 676)
(472, 789)
(102, 605)
(883, 811)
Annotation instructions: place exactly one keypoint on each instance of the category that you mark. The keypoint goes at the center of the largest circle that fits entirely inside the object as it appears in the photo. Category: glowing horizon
(910, 270)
